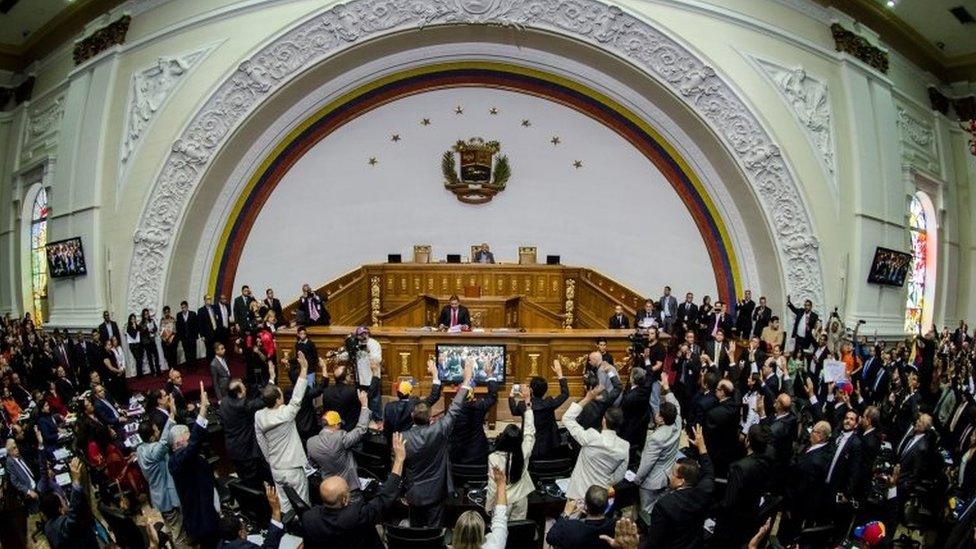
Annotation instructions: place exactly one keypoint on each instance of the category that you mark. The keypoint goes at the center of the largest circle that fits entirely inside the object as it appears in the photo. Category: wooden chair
(527, 255)
(421, 253)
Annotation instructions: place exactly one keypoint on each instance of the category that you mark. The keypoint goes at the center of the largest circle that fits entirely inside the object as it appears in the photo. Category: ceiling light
(890, 3)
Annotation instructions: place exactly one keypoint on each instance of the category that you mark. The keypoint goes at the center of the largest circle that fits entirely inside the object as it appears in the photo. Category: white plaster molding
(917, 138)
(149, 91)
(42, 128)
(607, 27)
(809, 101)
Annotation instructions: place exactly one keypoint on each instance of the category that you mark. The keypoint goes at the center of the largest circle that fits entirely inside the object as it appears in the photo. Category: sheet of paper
(629, 476)
(834, 371)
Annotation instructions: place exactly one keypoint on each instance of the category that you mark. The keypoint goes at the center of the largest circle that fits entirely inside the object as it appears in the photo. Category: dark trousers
(189, 349)
(169, 352)
(152, 356)
(137, 352)
(431, 516)
(209, 341)
(253, 472)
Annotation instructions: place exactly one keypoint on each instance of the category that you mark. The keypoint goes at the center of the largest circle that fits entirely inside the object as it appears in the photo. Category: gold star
(526, 123)
(458, 110)
(577, 164)
(395, 137)
(493, 110)
(372, 161)
(425, 122)
(555, 140)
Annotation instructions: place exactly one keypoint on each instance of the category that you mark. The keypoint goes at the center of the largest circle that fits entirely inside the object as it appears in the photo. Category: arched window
(918, 274)
(38, 257)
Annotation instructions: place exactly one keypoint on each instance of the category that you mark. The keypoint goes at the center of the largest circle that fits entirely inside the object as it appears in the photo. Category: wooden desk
(528, 352)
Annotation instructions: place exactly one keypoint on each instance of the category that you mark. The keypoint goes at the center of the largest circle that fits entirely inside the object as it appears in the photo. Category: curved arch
(34, 272)
(924, 238)
(593, 22)
(492, 75)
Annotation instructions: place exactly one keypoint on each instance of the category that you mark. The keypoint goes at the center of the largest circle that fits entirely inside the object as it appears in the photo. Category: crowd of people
(721, 427)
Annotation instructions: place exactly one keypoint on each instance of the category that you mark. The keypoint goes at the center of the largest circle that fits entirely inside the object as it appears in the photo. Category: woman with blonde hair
(469, 531)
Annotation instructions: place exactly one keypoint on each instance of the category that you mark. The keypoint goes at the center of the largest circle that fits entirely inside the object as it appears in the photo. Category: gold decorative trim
(573, 365)
(570, 303)
(404, 363)
(104, 38)
(374, 304)
(857, 46)
(534, 364)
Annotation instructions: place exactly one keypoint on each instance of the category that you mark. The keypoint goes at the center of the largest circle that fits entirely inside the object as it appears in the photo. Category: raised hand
(302, 363)
(557, 368)
(363, 398)
(665, 385)
(700, 440)
(431, 367)
(323, 366)
(468, 372)
(399, 453)
(624, 535)
(498, 476)
(272, 496)
(75, 466)
(204, 400)
(592, 394)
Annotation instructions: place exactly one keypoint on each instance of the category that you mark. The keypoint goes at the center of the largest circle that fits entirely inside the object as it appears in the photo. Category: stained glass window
(918, 230)
(38, 240)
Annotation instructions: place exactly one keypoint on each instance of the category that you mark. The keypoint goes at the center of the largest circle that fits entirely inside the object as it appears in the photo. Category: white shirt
(841, 442)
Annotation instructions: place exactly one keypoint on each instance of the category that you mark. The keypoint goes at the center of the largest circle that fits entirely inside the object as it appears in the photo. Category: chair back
(252, 504)
(522, 534)
(548, 470)
(469, 476)
(376, 465)
(127, 532)
(406, 537)
(298, 504)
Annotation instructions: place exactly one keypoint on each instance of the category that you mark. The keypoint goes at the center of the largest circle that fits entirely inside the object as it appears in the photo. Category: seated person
(454, 315)
(483, 255)
(572, 530)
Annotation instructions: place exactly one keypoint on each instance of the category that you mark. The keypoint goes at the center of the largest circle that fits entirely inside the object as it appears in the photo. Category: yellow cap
(332, 418)
(405, 388)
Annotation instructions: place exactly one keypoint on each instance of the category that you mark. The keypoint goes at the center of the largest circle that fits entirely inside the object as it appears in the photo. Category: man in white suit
(278, 438)
(603, 455)
(660, 451)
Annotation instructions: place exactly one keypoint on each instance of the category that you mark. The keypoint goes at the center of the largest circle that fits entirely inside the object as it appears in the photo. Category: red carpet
(192, 376)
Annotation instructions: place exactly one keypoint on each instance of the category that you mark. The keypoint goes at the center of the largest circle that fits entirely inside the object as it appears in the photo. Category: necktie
(454, 320)
(840, 448)
(213, 321)
(313, 311)
(715, 329)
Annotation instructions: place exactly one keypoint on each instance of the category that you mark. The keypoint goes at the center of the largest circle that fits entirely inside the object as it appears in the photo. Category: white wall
(333, 211)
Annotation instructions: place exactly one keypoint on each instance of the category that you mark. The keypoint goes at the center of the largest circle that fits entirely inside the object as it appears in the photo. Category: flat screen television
(890, 267)
(66, 258)
(451, 357)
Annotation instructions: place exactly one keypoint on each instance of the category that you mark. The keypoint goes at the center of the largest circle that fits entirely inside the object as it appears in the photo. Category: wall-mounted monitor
(890, 267)
(66, 258)
(451, 358)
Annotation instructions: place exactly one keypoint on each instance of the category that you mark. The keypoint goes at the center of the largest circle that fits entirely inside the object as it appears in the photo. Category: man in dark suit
(236, 414)
(676, 519)
(174, 386)
(311, 309)
(341, 521)
(807, 489)
(743, 315)
(570, 532)
(468, 442)
(158, 407)
(426, 478)
(907, 407)
(544, 412)
(687, 316)
(845, 470)
(69, 525)
(761, 317)
(242, 307)
(870, 448)
(208, 324)
(22, 478)
(107, 411)
(194, 478)
(108, 328)
(397, 414)
(220, 371)
(804, 324)
(341, 396)
(646, 317)
(273, 304)
(305, 346)
(234, 532)
(306, 420)
(912, 453)
(637, 414)
(454, 315)
(782, 431)
(722, 429)
(718, 321)
(878, 387)
(749, 479)
(225, 318)
(619, 319)
(717, 350)
(483, 255)
(704, 399)
(186, 331)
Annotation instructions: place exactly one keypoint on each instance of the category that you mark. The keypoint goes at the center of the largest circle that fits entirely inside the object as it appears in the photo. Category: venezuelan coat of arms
(483, 171)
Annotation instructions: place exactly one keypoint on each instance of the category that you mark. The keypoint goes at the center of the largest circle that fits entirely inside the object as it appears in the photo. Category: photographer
(362, 353)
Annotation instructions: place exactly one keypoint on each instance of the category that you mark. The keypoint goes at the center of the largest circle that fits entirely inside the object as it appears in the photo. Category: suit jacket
(274, 304)
(242, 309)
(482, 256)
(153, 459)
(205, 327)
(396, 414)
(308, 349)
(331, 451)
(687, 315)
(870, 448)
(676, 520)
(737, 513)
(318, 302)
(159, 418)
(637, 415)
(701, 403)
(194, 481)
(307, 421)
(109, 329)
(464, 317)
(220, 377)
(783, 430)
(237, 419)
(743, 317)
(912, 459)
(353, 526)
(22, 482)
(272, 540)
(107, 413)
(760, 319)
(425, 469)
(468, 442)
(724, 324)
(806, 486)
(721, 430)
(620, 323)
(724, 362)
(807, 331)
(74, 529)
(276, 433)
(186, 330)
(660, 453)
(544, 412)
(846, 476)
(602, 459)
(672, 303)
(571, 533)
(343, 398)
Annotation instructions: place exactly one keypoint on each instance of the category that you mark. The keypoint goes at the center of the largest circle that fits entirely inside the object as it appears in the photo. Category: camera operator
(649, 354)
(362, 352)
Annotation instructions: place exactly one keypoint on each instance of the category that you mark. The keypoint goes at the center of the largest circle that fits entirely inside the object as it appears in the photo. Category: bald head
(784, 403)
(334, 492)
(596, 358)
(726, 388)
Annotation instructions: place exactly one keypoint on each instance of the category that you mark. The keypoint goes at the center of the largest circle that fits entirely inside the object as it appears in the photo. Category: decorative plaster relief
(605, 26)
(42, 127)
(810, 103)
(917, 140)
(150, 89)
